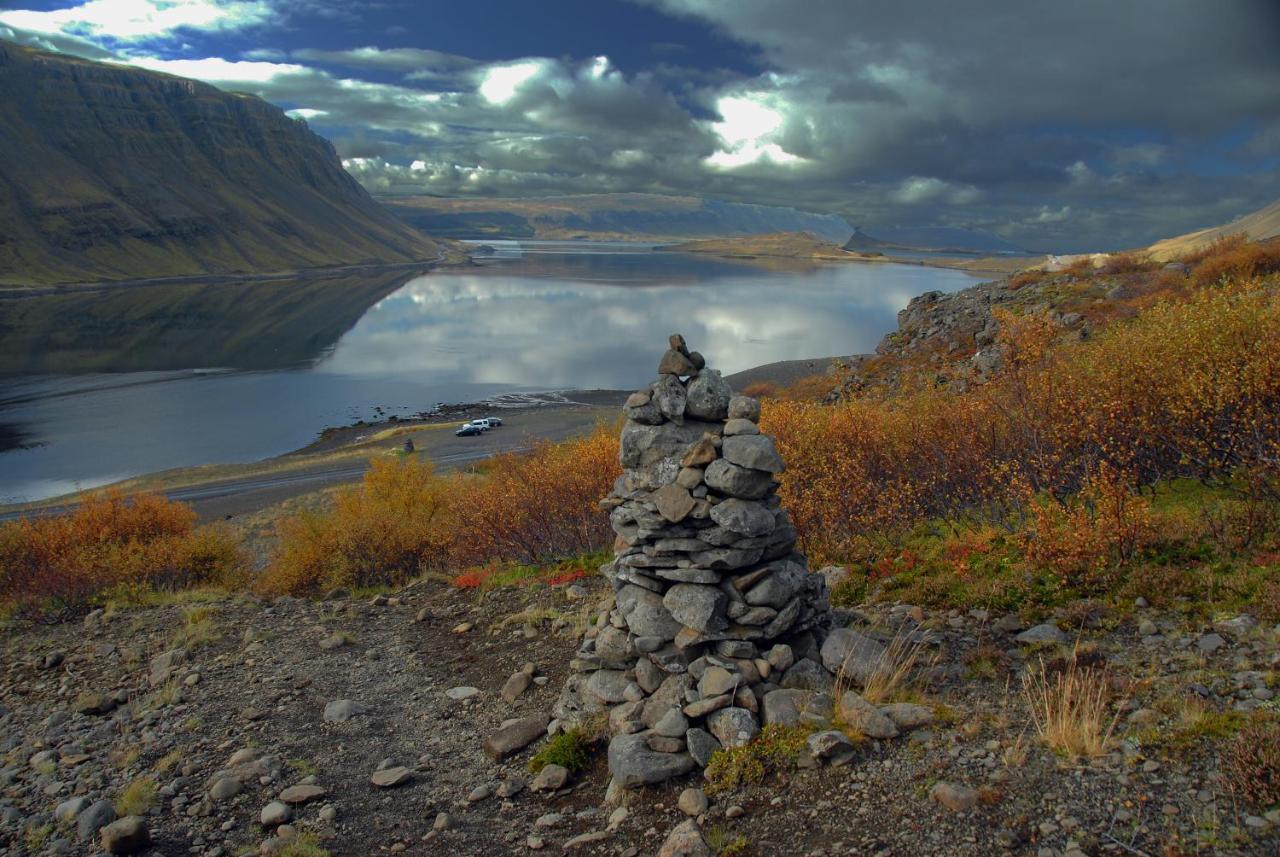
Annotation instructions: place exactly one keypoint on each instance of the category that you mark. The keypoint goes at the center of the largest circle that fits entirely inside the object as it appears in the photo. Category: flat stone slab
(515, 736)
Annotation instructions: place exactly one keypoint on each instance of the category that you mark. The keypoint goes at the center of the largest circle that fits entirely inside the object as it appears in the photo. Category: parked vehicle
(494, 422)
(469, 430)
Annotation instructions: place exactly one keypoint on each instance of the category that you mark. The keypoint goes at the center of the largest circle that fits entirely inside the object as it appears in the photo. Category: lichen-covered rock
(708, 396)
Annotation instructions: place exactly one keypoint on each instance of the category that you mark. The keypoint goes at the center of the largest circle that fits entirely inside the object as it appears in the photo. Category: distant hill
(1258, 226)
(112, 172)
(937, 239)
(776, 245)
(611, 216)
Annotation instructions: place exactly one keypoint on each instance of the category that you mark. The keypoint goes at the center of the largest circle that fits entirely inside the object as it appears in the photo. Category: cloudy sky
(1090, 124)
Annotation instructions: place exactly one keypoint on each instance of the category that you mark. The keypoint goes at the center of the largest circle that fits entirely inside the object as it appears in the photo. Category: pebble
(692, 802)
(550, 778)
(389, 778)
(458, 694)
(954, 797)
(275, 814)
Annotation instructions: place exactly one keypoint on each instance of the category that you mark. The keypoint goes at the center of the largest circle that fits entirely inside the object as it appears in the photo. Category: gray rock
(829, 744)
(609, 686)
(754, 451)
(745, 517)
(674, 503)
(708, 397)
(127, 836)
(717, 680)
(645, 613)
(342, 710)
(807, 675)
(865, 717)
(675, 363)
(275, 814)
(165, 664)
(551, 778)
(954, 797)
(702, 745)
(693, 802)
(389, 778)
(302, 793)
(685, 840)
(1043, 633)
(780, 657)
(643, 445)
(67, 811)
(736, 427)
(697, 606)
(225, 788)
(518, 683)
(633, 764)
(1210, 643)
(735, 481)
(908, 715)
(93, 818)
(640, 408)
(515, 736)
(673, 724)
(733, 727)
(744, 408)
(848, 653)
(777, 588)
(458, 694)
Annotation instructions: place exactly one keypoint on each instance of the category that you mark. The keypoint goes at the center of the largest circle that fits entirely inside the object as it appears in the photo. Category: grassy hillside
(1258, 226)
(782, 245)
(111, 172)
(610, 216)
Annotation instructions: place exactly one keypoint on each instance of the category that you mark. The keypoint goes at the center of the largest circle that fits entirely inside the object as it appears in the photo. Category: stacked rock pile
(716, 624)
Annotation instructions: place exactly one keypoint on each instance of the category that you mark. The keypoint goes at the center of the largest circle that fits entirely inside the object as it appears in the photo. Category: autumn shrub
(1251, 762)
(52, 567)
(390, 528)
(1126, 263)
(1233, 257)
(761, 389)
(536, 506)
(1189, 387)
(1104, 524)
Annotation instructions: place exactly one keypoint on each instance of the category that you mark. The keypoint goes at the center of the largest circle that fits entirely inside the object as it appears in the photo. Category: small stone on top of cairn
(715, 626)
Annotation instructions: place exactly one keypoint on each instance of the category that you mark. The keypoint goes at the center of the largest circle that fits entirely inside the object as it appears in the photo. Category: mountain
(779, 245)
(608, 216)
(1258, 226)
(937, 239)
(112, 172)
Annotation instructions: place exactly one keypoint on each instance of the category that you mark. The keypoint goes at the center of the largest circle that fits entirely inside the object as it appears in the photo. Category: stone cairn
(716, 624)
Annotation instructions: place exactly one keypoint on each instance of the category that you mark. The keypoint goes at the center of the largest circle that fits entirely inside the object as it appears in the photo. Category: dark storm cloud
(1058, 125)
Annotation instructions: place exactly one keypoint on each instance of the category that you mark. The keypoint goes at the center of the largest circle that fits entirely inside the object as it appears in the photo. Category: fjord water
(100, 387)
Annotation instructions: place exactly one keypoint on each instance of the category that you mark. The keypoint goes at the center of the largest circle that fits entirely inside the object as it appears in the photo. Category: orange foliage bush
(539, 505)
(1233, 257)
(384, 531)
(52, 567)
(1189, 387)
(405, 520)
(761, 389)
(1106, 522)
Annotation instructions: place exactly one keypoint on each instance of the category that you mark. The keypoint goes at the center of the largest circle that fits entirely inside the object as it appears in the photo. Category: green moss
(137, 798)
(776, 748)
(571, 750)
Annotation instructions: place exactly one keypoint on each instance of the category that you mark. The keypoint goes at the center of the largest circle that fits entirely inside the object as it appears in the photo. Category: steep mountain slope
(111, 172)
(619, 216)
(1258, 226)
(945, 239)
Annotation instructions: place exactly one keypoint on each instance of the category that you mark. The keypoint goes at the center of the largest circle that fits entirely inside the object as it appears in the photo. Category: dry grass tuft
(1070, 707)
(895, 676)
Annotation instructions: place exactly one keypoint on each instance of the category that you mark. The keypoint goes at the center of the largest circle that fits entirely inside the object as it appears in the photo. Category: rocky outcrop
(110, 172)
(715, 621)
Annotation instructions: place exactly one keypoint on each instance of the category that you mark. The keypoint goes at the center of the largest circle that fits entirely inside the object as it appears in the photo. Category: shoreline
(13, 291)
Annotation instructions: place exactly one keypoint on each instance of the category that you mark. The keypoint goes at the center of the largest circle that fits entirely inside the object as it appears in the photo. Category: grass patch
(169, 761)
(304, 845)
(725, 844)
(570, 749)
(776, 748)
(137, 798)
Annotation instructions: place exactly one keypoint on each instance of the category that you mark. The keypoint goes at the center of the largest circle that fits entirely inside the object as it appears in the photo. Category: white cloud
(919, 189)
(139, 20)
(1050, 215)
(500, 83)
(220, 71)
(748, 127)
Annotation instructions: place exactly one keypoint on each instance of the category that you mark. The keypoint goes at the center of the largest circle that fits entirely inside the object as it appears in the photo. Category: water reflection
(102, 387)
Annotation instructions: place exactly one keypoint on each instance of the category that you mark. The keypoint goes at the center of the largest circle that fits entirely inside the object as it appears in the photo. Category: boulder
(129, 835)
(670, 398)
(744, 408)
(515, 736)
(735, 481)
(697, 606)
(745, 517)
(645, 614)
(859, 714)
(708, 396)
(733, 726)
(685, 840)
(633, 764)
(754, 451)
(847, 653)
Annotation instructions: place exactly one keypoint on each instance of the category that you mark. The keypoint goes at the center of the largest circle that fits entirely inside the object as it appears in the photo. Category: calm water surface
(97, 388)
